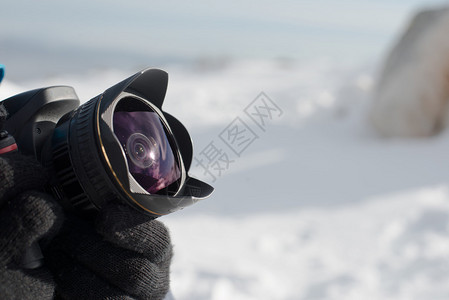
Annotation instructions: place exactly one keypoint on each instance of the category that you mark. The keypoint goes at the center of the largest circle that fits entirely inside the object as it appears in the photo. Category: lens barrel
(80, 180)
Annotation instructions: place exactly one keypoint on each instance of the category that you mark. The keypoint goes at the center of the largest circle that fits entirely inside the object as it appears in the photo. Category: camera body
(118, 147)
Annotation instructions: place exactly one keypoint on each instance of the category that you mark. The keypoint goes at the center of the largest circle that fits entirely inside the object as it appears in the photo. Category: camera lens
(149, 152)
(143, 151)
(118, 147)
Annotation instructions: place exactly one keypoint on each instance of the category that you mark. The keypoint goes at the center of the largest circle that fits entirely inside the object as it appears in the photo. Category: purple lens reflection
(150, 157)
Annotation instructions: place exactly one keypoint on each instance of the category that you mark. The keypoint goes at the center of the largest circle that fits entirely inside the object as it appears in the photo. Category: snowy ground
(318, 206)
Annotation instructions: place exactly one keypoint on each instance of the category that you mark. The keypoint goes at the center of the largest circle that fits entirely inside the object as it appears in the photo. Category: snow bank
(391, 247)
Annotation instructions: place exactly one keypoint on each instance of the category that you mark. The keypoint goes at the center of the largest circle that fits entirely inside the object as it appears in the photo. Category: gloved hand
(123, 254)
(27, 215)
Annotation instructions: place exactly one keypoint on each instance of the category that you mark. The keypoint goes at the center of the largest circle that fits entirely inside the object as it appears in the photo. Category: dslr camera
(120, 146)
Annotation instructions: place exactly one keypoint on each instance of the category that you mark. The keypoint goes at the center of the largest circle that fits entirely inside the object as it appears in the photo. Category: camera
(120, 146)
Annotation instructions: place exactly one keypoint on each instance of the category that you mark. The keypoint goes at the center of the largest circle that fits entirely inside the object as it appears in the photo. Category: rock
(411, 97)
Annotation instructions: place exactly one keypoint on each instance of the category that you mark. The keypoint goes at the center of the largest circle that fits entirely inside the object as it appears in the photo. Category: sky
(50, 37)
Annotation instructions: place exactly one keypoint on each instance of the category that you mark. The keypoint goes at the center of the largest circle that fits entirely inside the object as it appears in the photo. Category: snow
(318, 206)
(392, 247)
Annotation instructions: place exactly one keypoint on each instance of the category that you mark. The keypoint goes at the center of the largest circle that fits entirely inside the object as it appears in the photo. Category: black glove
(123, 254)
(27, 215)
(127, 256)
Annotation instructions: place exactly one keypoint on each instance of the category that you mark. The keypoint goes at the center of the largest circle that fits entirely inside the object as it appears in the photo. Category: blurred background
(318, 206)
(51, 37)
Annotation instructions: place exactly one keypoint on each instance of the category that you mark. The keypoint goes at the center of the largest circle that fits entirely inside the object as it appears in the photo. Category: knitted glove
(127, 256)
(27, 215)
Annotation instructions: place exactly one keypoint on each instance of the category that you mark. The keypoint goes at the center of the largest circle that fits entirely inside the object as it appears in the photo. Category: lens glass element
(151, 159)
(143, 151)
